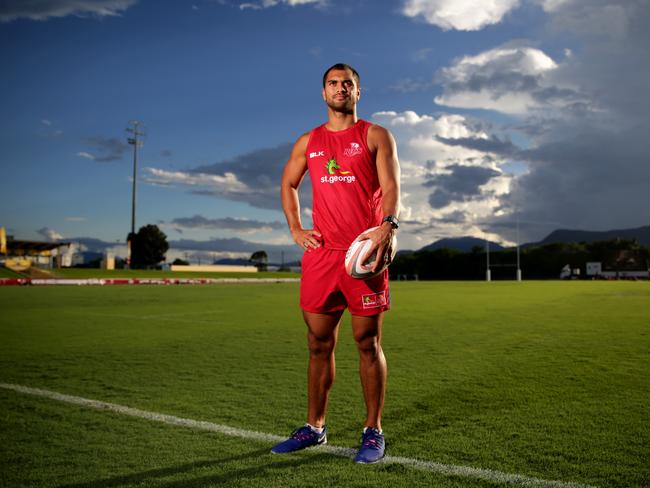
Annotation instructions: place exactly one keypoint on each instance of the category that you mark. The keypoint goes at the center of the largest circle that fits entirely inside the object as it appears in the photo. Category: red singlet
(346, 192)
(346, 201)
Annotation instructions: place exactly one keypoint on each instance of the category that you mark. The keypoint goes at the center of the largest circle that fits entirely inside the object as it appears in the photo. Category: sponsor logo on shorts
(374, 300)
(336, 174)
(353, 150)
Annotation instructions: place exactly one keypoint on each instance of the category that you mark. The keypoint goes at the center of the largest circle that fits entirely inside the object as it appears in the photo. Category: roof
(33, 246)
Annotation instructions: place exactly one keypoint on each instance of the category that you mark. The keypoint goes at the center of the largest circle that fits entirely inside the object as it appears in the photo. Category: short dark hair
(342, 66)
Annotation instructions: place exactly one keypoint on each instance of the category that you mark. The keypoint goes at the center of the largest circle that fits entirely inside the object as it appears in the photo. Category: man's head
(339, 67)
(341, 90)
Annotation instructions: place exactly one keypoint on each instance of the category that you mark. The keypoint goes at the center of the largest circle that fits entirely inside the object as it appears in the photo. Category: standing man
(354, 173)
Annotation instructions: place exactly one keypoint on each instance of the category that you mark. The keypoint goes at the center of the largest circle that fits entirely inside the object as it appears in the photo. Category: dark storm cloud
(424, 227)
(589, 164)
(260, 171)
(491, 145)
(200, 222)
(462, 184)
(44, 9)
(109, 149)
(591, 170)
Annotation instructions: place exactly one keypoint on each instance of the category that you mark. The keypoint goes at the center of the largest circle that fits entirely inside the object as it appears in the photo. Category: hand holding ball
(357, 262)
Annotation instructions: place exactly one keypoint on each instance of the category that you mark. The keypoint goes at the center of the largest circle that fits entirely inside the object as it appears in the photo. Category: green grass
(84, 273)
(7, 273)
(545, 379)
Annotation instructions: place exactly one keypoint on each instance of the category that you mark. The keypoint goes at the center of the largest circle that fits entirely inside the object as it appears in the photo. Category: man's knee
(368, 345)
(321, 346)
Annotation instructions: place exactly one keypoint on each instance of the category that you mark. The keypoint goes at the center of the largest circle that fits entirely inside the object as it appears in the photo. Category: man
(355, 182)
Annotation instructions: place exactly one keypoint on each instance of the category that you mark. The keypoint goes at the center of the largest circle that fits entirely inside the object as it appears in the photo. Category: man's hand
(381, 239)
(307, 238)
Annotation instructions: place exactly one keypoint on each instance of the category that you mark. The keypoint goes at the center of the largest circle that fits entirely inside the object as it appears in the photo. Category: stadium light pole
(135, 142)
(488, 273)
(518, 260)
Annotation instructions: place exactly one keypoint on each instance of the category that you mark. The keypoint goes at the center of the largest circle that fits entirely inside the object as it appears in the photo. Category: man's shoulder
(303, 139)
(378, 135)
(377, 130)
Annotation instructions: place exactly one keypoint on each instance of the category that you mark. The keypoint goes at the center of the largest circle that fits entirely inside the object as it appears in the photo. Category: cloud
(50, 234)
(84, 154)
(109, 149)
(584, 117)
(410, 85)
(448, 186)
(491, 144)
(238, 248)
(228, 223)
(466, 15)
(459, 183)
(11, 10)
(509, 79)
(272, 3)
(253, 178)
(226, 184)
(421, 54)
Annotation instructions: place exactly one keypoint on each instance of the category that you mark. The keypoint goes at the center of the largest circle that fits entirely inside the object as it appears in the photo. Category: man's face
(341, 92)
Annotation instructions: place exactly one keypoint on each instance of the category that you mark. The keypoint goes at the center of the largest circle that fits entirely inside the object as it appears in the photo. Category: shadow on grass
(257, 471)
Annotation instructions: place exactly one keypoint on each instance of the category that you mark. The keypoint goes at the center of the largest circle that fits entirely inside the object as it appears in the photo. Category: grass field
(83, 273)
(542, 379)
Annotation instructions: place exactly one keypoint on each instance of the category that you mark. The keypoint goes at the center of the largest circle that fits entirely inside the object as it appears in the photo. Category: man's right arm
(294, 172)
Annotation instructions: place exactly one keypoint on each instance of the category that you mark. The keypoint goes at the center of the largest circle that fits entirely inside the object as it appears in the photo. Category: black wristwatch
(392, 220)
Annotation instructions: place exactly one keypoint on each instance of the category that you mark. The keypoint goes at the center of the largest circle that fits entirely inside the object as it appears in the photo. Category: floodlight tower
(488, 273)
(135, 142)
(518, 260)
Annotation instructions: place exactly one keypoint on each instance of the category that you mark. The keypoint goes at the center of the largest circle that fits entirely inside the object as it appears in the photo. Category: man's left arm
(382, 142)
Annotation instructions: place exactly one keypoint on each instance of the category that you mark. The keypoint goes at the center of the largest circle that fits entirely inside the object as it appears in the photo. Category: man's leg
(372, 365)
(322, 333)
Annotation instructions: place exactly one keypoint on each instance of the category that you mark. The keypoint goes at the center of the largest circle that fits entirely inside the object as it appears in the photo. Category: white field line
(439, 468)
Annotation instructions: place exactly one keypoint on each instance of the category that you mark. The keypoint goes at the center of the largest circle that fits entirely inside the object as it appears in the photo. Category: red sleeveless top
(345, 185)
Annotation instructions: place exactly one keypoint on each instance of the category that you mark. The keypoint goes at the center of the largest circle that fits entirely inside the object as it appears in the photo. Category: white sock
(366, 428)
(318, 430)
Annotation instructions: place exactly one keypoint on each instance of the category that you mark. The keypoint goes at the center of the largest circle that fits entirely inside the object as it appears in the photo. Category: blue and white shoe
(372, 446)
(301, 438)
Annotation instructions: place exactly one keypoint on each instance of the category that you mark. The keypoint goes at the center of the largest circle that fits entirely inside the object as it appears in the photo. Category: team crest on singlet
(353, 150)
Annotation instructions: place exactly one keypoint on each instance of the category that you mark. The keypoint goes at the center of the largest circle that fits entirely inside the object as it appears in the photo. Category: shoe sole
(369, 462)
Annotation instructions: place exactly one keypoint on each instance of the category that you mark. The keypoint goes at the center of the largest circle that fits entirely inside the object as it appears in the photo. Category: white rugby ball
(358, 264)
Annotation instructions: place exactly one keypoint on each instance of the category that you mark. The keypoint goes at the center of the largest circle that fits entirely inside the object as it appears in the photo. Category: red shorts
(326, 287)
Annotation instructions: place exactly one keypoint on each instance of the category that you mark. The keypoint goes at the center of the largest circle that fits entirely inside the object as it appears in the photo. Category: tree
(148, 247)
(260, 259)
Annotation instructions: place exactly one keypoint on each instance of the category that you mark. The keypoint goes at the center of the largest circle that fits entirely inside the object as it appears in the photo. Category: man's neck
(340, 121)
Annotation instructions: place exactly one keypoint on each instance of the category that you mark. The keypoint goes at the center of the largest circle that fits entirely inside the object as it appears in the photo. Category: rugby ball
(358, 264)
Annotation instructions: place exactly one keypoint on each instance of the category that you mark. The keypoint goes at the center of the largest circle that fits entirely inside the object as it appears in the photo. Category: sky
(513, 118)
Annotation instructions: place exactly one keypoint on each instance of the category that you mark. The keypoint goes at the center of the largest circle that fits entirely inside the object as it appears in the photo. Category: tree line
(543, 262)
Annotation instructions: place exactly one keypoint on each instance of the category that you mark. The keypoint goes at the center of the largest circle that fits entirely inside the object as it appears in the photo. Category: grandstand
(20, 256)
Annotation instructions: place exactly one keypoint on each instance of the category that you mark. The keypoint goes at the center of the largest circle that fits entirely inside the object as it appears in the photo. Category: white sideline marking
(439, 468)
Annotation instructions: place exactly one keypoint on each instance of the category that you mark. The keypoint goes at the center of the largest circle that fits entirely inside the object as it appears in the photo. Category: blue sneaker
(300, 439)
(372, 446)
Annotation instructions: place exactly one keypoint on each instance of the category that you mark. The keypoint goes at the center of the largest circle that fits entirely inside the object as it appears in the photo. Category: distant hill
(641, 234)
(463, 244)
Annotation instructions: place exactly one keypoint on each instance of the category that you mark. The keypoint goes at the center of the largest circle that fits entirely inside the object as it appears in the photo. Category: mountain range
(465, 244)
